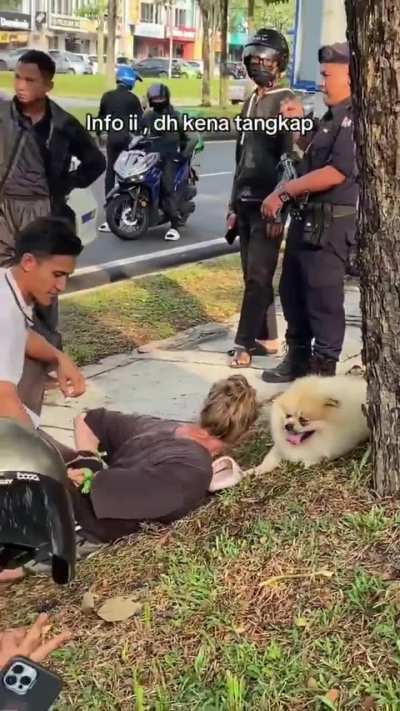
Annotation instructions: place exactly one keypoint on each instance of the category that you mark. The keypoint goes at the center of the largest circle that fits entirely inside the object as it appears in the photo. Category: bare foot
(270, 346)
(12, 576)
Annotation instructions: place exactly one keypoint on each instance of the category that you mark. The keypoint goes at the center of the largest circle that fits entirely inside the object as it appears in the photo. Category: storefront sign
(183, 34)
(76, 24)
(15, 21)
(148, 29)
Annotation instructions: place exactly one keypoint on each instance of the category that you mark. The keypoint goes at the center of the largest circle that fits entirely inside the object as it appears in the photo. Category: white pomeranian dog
(317, 418)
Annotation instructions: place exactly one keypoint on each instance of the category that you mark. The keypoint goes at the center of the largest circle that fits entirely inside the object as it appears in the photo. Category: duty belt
(327, 208)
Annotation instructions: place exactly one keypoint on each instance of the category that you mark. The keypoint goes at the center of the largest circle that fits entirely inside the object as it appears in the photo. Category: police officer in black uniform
(321, 236)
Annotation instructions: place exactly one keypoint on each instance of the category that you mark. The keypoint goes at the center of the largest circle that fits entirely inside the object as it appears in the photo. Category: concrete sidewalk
(171, 379)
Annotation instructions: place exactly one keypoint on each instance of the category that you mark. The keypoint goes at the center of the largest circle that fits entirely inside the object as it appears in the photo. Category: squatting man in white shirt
(46, 254)
(45, 257)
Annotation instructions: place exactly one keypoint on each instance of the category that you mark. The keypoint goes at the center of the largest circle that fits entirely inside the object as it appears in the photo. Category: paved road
(204, 230)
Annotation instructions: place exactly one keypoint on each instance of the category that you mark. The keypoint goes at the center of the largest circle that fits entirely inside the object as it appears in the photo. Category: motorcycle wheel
(120, 220)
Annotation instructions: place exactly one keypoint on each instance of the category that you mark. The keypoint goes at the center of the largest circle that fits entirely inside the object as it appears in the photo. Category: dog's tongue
(294, 438)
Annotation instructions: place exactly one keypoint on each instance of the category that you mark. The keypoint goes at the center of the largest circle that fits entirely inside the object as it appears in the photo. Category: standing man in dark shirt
(119, 103)
(257, 156)
(37, 142)
(322, 236)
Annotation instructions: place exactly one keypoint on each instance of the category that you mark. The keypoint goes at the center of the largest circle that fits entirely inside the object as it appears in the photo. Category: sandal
(236, 354)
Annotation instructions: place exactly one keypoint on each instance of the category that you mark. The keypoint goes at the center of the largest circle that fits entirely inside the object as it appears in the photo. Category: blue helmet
(127, 76)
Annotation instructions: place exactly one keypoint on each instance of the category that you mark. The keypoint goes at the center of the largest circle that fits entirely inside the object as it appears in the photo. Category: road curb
(110, 273)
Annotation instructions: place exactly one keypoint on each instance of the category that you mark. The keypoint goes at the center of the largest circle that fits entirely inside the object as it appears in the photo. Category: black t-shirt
(257, 152)
(152, 475)
(120, 103)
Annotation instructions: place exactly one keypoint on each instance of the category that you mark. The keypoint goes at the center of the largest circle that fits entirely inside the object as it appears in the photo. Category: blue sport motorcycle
(135, 202)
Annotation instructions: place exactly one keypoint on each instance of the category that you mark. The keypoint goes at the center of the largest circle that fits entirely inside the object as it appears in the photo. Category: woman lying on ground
(145, 469)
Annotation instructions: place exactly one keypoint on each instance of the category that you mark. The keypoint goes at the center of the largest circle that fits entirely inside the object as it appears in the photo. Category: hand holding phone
(24, 684)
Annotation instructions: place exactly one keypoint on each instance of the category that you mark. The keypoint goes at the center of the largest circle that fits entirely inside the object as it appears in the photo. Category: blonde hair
(230, 409)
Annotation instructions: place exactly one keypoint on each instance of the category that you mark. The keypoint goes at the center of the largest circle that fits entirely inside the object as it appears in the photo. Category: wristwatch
(284, 197)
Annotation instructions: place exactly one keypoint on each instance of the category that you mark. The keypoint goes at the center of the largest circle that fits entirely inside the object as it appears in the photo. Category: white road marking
(212, 175)
(83, 271)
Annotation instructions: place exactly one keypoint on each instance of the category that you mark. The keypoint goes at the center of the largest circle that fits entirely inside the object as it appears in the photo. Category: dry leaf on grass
(117, 609)
(271, 582)
(329, 699)
(88, 601)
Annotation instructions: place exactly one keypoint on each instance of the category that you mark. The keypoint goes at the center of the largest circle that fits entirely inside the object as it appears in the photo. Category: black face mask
(159, 108)
(261, 76)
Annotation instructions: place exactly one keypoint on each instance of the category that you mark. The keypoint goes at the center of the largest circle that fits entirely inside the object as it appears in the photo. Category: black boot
(323, 366)
(296, 364)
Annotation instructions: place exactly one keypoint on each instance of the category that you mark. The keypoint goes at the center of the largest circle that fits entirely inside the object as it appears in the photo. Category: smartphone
(27, 686)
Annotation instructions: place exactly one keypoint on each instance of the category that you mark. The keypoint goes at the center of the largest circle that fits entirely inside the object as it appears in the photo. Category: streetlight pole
(169, 6)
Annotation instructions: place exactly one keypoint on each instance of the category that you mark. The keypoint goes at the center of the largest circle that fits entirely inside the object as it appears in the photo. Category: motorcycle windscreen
(35, 515)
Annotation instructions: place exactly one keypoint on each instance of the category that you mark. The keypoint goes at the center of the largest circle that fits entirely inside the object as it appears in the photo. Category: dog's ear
(332, 402)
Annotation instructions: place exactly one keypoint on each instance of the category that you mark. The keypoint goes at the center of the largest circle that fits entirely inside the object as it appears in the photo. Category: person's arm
(84, 437)
(341, 166)
(71, 381)
(11, 405)
(92, 161)
(110, 427)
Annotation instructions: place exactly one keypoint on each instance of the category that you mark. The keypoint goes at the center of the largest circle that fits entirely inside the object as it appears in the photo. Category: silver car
(70, 62)
(10, 58)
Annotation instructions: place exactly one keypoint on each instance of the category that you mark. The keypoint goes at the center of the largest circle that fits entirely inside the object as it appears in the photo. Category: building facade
(58, 24)
(156, 22)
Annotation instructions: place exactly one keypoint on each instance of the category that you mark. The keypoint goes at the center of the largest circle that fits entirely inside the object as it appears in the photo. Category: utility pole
(112, 19)
(169, 7)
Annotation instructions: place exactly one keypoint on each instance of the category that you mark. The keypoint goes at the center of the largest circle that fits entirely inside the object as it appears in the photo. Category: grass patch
(92, 87)
(150, 308)
(213, 635)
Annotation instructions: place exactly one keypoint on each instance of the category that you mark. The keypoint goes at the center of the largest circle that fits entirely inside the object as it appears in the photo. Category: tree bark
(206, 93)
(251, 20)
(374, 36)
(100, 46)
(223, 78)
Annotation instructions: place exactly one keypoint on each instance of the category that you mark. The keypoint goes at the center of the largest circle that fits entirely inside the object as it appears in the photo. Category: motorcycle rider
(120, 103)
(173, 146)
(266, 57)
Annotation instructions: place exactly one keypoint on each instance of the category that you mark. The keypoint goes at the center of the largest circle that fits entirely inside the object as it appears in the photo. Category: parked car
(188, 71)
(9, 58)
(157, 67)
(236, 70)
(70, 62)
(196, 64)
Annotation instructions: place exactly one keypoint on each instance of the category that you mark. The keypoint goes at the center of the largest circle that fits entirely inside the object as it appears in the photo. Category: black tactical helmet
(158, 95)
(35, 508)
(267, 43)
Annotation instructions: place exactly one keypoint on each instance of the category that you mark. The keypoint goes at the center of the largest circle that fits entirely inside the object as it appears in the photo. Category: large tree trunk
(374, 35)
(206, 93)
(100, 46)
(251, 20)
(223, 78)
(111, 39)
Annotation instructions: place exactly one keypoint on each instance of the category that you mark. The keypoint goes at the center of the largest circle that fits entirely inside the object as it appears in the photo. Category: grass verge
(220, 629)
(92, 87)
(150, 308)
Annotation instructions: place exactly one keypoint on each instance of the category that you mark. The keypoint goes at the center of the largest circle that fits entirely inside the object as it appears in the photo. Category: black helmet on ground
(158, 96)
(266, 56)
(35, 507)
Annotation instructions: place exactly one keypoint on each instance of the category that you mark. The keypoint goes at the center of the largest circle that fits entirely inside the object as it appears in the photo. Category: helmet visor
(258, 50)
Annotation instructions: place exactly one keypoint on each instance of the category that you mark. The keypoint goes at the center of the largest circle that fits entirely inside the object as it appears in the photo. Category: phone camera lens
(25, 680)
(18, 669)
(11, 679)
